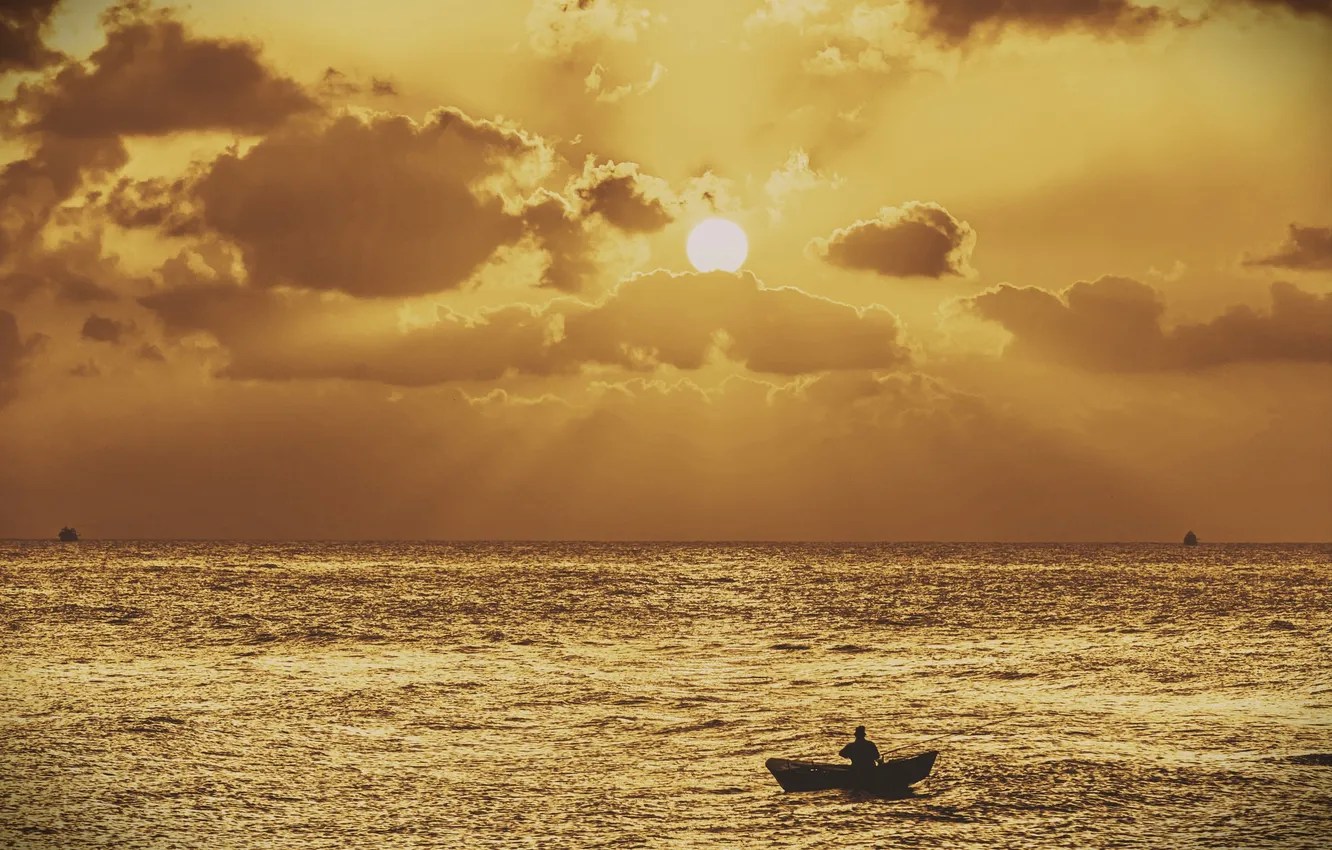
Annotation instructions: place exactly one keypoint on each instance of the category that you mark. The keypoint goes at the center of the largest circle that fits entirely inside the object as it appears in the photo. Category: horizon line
(669, 541)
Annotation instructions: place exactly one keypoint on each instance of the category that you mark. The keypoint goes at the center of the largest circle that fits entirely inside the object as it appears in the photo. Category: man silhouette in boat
(862, 752)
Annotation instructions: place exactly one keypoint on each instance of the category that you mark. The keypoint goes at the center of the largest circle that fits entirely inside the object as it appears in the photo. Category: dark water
(225, 695)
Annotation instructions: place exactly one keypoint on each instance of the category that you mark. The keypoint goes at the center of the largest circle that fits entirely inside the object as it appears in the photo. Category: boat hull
(891, 777)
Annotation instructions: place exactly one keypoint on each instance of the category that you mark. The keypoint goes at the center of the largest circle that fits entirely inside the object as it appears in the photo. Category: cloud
(1301, 8)
(1113, 324)
(437, 202)
(956, 21)
(627, 199)
(14, 353)
(101, 329)
(830, 62)
(648, 322)
(847, 39)
(334, 84)
(373, 206)
(594, 83)
(914, 240)
(1305, 248)
(873, 40)
(287, 335)
(680, 319)
(558, 28)
(153, 77)
(32, 189)
(21, 26)
(156, 203)
(794, 177)
(563, 234)
(75, 271)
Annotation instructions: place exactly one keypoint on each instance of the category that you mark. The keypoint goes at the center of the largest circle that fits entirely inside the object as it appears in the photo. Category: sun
(717, 244)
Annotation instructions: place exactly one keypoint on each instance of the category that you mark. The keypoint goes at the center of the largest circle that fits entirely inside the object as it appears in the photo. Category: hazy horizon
(776, 541)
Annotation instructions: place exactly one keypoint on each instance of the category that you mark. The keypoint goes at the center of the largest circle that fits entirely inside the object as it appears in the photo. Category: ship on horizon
(68, 535)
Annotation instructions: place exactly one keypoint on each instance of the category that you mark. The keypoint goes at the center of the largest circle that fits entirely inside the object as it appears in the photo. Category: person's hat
(860, 730)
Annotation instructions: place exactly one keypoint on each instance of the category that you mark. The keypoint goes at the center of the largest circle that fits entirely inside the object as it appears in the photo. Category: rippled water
(246, 695)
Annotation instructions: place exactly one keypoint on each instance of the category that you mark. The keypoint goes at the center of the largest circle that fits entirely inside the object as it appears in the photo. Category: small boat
(891, 777)
(1190, 539)
(68, 535)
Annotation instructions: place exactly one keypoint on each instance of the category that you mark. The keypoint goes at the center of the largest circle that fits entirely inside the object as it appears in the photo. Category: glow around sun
(717, 244)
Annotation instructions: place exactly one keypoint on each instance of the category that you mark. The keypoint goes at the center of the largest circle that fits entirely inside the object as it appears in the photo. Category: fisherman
(862, 752)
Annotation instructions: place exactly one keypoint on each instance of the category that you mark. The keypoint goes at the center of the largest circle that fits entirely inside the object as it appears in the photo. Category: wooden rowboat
(891, 777)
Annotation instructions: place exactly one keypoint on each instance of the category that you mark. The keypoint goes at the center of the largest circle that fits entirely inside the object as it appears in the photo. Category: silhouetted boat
(891, 777)
(1190, 539)
(68, 535)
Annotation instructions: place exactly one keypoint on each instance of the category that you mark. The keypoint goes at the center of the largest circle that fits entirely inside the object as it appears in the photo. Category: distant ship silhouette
(1190, 539)
(68, 535)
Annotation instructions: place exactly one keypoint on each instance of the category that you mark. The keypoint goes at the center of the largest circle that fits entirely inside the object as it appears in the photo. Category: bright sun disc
(717, 244)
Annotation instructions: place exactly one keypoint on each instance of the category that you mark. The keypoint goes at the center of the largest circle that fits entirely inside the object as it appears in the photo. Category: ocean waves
(576, 695)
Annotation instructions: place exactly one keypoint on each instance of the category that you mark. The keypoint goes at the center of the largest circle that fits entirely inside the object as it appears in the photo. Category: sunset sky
(1025, 270)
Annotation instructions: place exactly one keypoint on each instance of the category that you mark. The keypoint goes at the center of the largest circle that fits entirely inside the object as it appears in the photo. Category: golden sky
(1022, 270)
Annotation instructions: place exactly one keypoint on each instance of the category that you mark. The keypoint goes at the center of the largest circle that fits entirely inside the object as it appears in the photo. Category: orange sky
(1035, 270)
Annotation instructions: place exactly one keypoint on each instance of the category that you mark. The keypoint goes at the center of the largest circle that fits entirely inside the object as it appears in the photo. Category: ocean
(319, 695)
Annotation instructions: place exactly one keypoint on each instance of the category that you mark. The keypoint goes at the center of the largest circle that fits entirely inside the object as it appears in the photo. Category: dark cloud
(285, 335)
(383, 206)
(956, 21)
(336, 84)
(151, 77)
(77, 271)
(1305, 248)
(648, 322)
(1298, 327)
(564, 236)
(1305, 8)
(32, 189)
(624, 197)
(21, 26)
(914, 240)
(102, 329)
(162, 204)
(14, 352)
(681, 319)
(154, 77)
(1114, 324)
(370, 207)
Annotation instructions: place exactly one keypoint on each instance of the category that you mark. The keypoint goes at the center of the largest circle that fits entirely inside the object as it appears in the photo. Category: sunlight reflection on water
(240, 695)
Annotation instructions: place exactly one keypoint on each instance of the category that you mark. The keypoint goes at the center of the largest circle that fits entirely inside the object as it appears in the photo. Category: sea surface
(225, 695)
